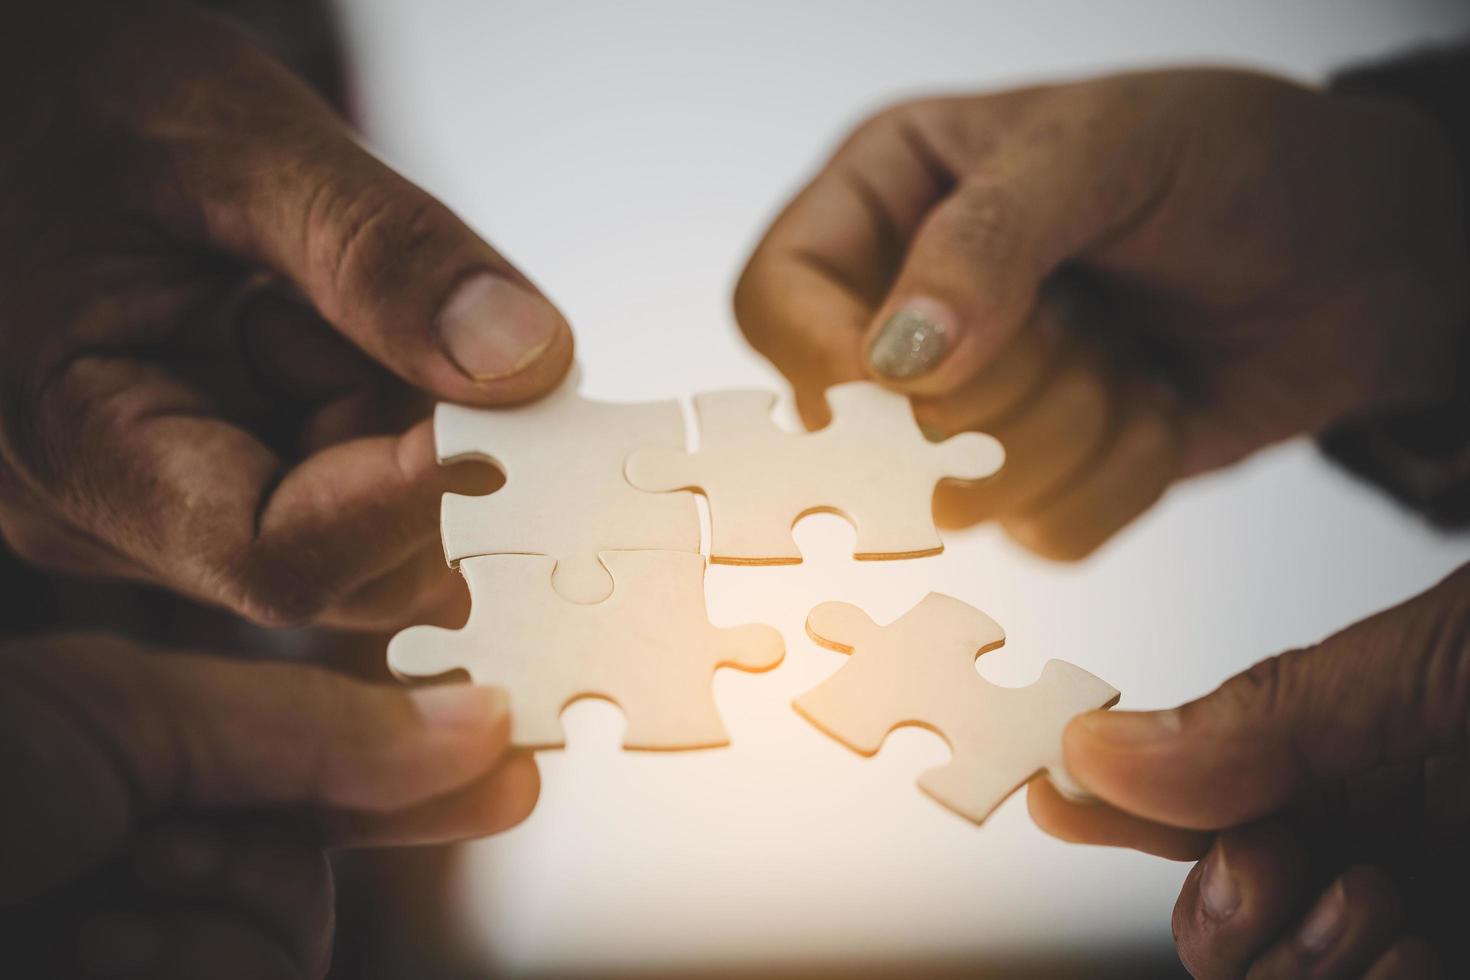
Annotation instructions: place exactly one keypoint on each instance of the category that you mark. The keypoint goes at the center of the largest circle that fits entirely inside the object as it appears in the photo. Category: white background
(627, 156)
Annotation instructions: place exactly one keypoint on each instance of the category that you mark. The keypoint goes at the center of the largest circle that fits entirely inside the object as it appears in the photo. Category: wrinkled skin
(1328, 782)
(172, 810)
(1141, 277)
(222, 324)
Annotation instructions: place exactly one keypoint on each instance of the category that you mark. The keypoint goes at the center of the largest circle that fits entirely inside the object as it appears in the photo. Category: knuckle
(751, 301)
(275, 595)
(898, 121)
(1269, 689)
(1147, 437)
(1082, 395)
(1190, 940)
(360, 240)
(984, 218)
(880, 125)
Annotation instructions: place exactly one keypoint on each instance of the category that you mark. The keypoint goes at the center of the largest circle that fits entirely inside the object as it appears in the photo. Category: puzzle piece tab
(564, 494)
(920, 670)
(871, 464)
(649, 647)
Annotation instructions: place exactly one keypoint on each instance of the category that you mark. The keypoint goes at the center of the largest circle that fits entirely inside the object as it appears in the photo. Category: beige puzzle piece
(920, 670)
(872, 465)
(649, 647)
(564, 494)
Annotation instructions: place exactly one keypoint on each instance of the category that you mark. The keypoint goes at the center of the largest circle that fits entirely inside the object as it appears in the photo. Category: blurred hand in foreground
(222, 323)
(1126, 280)
(167, 814)
(1325, 791)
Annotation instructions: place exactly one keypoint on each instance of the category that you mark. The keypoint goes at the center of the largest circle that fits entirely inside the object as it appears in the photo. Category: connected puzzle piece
(564, 494)
(871, 464)
(920, 670)
(649, 647)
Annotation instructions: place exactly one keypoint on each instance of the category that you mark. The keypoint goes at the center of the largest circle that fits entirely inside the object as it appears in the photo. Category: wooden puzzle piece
(920, 670)
(872, 465)
(564, 494)
(649, 647)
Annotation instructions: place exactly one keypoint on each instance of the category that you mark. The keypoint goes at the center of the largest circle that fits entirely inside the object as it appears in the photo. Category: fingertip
(516, 788)
(507, 341)
(460, 708)
(407, 747)
(496, 801)
(1246, 890)
(1096, 743)
(1052, 541)
(1104, 825)
(1140, 762)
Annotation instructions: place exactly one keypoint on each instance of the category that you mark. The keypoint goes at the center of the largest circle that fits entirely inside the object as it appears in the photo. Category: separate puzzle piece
(564, 494)
(649, 647)
(920, 670)
(871, 464)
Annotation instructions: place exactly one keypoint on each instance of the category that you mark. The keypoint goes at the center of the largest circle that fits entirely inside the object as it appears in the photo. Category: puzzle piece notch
(649, 647)
(872, 465)
(920, 670)
(564, 494)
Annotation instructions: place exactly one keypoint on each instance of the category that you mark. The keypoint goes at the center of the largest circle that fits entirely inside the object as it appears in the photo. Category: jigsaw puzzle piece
(745, 467)
(892, 469)
(920, 670)
(564, 494)
(1020, 736)
(889, 681)
(649, 647)
(872, 465)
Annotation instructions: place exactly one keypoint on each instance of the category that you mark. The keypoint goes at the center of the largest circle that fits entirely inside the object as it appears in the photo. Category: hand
(222, 323)
(167, 813)
(1327, 789)
(1127, 280)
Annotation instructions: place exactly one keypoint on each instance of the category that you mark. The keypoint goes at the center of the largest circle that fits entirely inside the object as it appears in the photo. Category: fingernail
(913, 341)
(1217, 890)
(463, 706)
(1131, 726)
(1324, 922)
(493, 328)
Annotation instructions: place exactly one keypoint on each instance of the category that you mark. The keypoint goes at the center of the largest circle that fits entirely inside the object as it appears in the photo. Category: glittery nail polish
(913, 341)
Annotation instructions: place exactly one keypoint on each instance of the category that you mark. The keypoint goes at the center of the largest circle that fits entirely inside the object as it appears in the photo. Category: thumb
(385, 263)
(1390, 689)
(105, 735)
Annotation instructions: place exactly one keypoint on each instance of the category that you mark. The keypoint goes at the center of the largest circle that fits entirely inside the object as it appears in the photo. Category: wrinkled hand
(222, 322)
(1327, 789)
(166, 813)
(1126, 280)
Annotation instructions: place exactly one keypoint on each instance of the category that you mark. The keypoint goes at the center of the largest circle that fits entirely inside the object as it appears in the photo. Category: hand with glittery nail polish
(1127, 280)
(1325, 794)
(225, 323)
(169, 814)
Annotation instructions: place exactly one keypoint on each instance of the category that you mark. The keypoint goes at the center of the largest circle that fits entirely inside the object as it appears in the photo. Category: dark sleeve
(1420, 457)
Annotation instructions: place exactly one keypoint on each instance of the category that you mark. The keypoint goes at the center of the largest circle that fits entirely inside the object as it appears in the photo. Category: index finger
(211, 510)
(814, 282)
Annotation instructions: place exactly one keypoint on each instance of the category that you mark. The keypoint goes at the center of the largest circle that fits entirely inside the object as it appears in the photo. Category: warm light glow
(628, 158)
